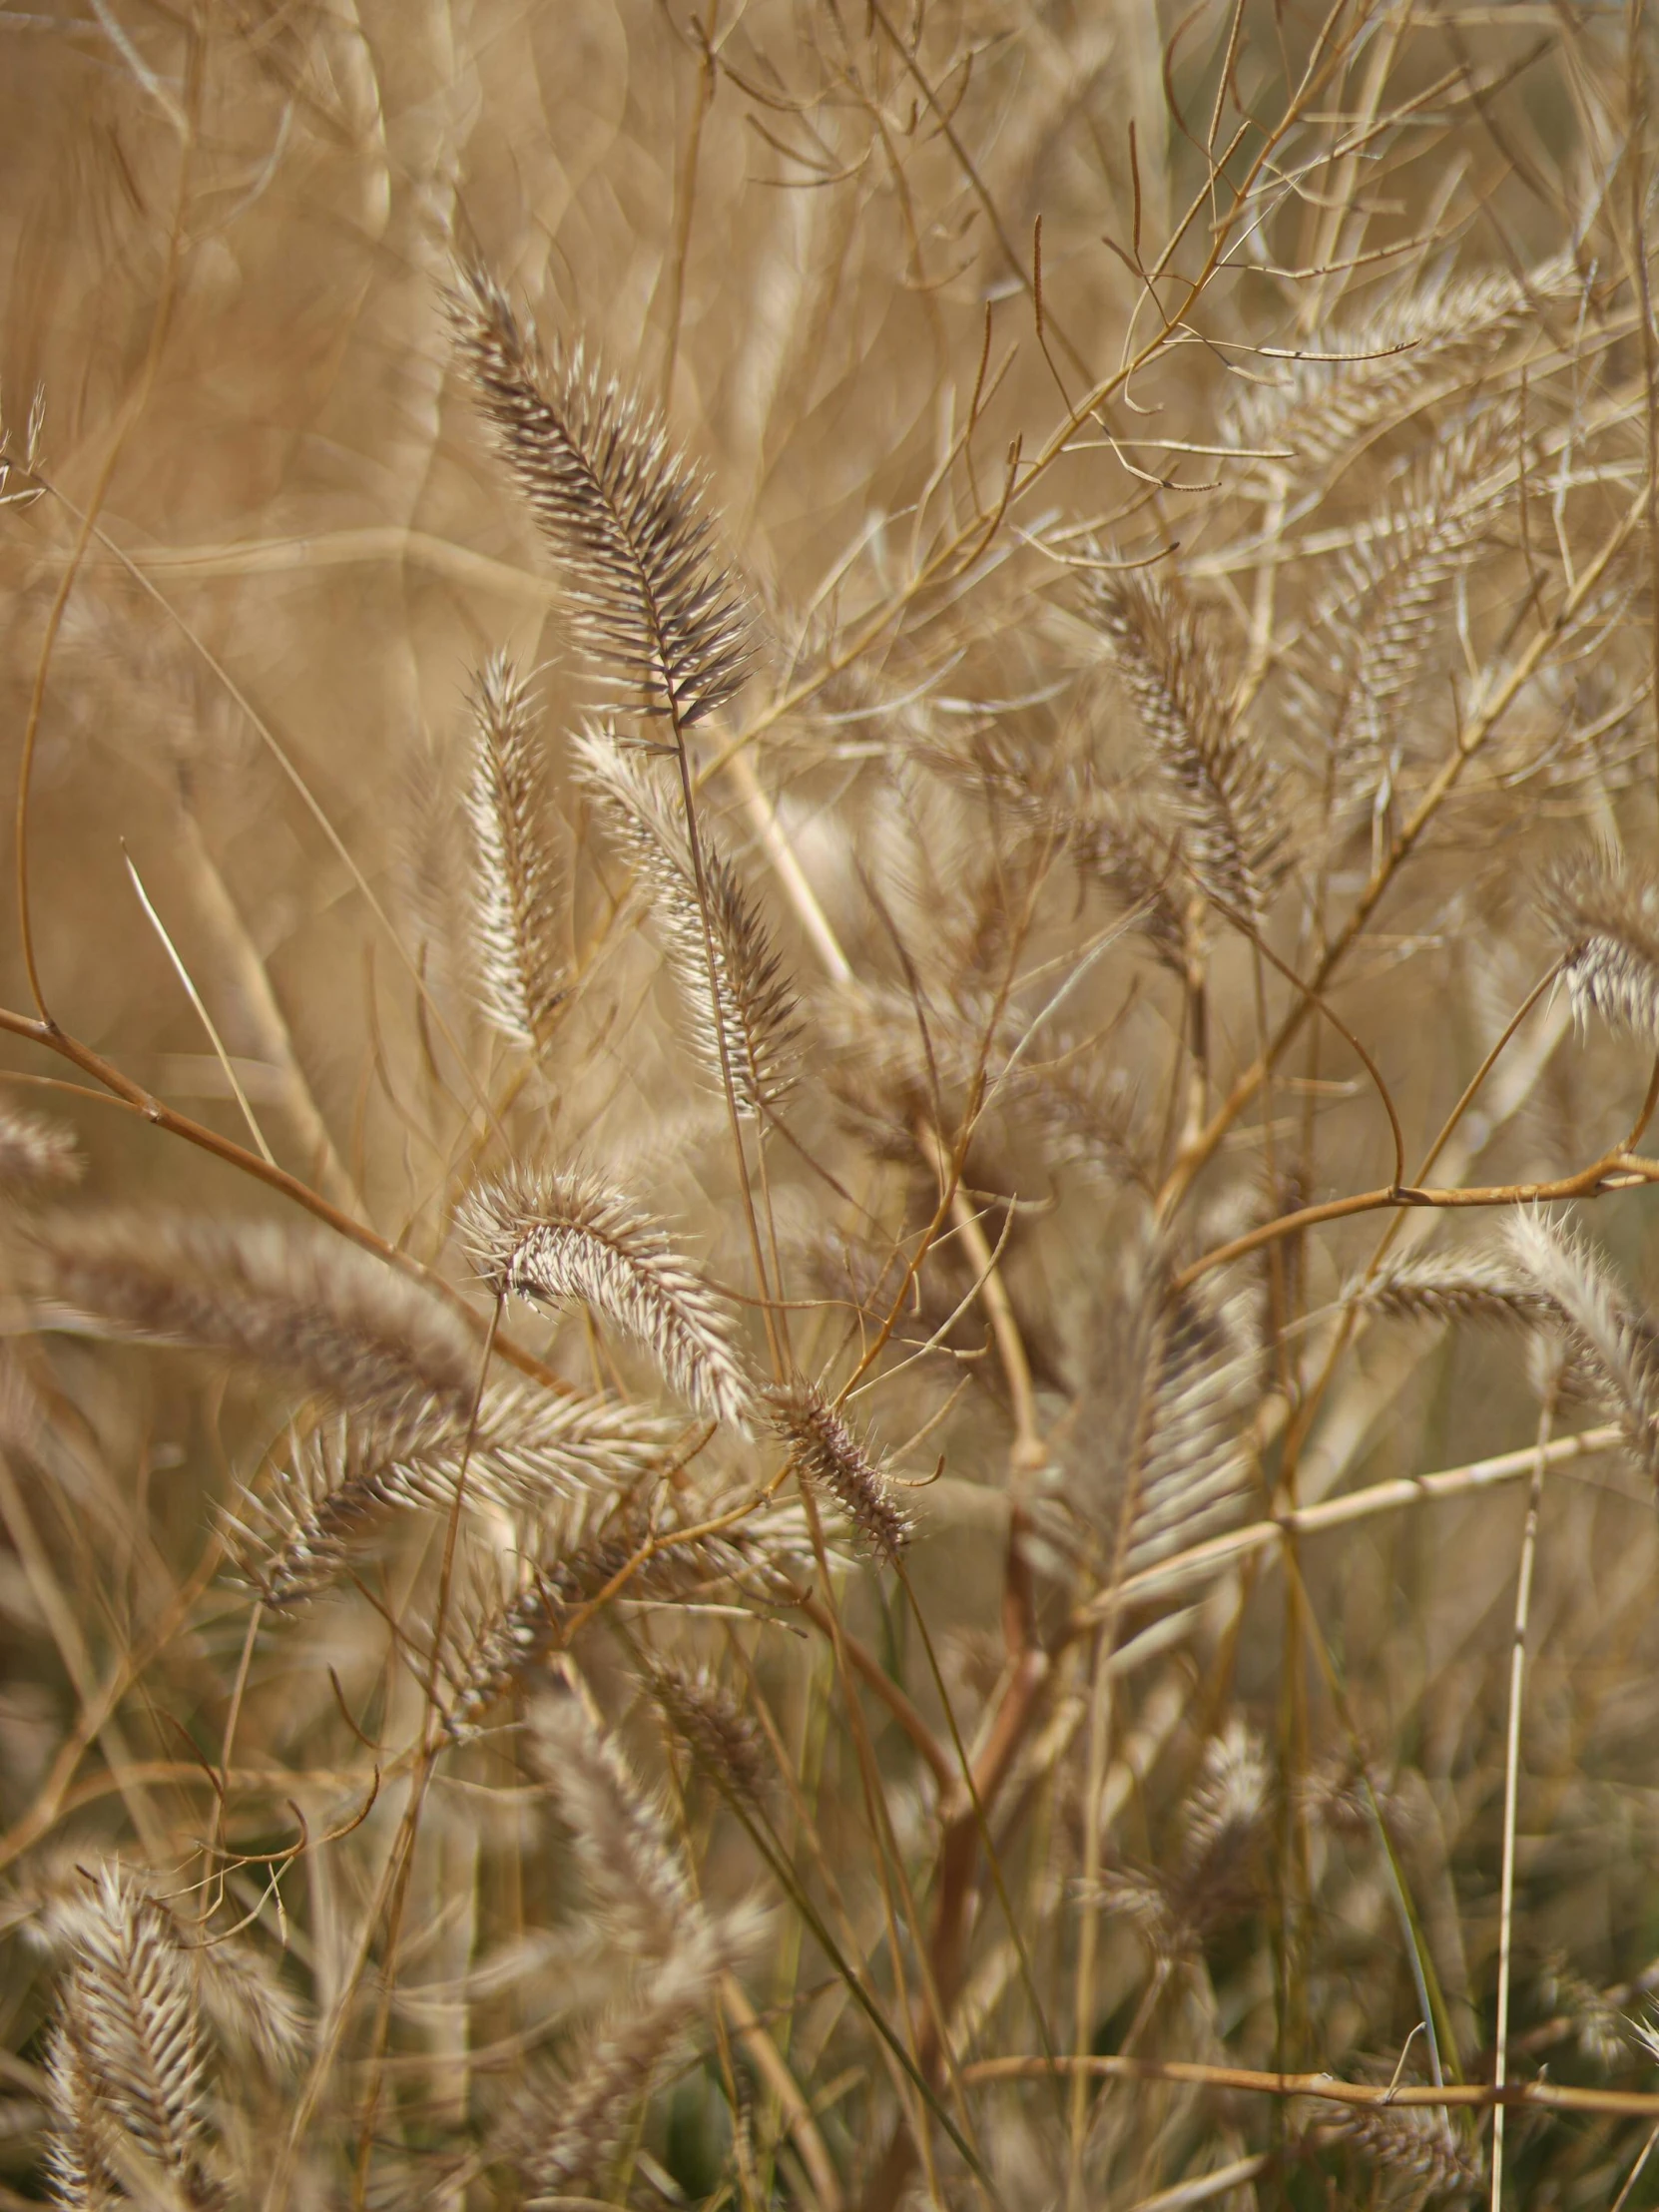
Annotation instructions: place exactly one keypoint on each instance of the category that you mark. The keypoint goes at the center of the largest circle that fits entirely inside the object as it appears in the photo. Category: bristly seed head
(824, 1452)
(35, 1152)
(1615, 1350)
(1218, 778)
(711, 1722)
(1604, 915)
(565, 1239)
(647, 596)
(750, 1028)
(516, 882)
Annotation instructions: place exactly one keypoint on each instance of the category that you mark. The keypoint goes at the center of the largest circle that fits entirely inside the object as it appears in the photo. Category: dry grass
(828, 1060)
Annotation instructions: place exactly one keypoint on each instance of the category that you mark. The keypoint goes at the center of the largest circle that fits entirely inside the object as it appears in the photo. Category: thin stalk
(1512, 1785)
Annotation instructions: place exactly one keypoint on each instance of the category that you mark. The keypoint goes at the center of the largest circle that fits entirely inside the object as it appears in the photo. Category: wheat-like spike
(1061, 802)
(35, 1152)
(1217, 775)
(282, 1297)
(335, 1486)
(515, 1621)
(241, 1999)
(76, 2143)
(1599, 2028)
(1604, 917)
(632, 1865)
(1416, 2142)
(824, 1453)
(1193, 1471)
(1119, 850)
(589, 2130)
(1406, 352)
(755, 1010)
(621, 508)
(1212, 1880)
(1228, 1806)
(248, 2008)
(533, 1449)
(1142, 1896)
(567, 1239)
(1395, 594)
(531, 1453)
(898, 1056)
(1089, 1120)
(515, 881)
(1605, 1339)
(130, 2014)
(1475, 1287)
(722, 1738)
(564, 2147)
(518, 1625)
(584, 2129)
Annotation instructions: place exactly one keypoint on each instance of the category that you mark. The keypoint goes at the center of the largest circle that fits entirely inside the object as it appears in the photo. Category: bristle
(1228, 1806)
(1192, 1473)
(1589, 1313)
(1119, 850)
(1395, 596)
(1475, 1287)
(620, 507)
(515, 1627)
(754, 1012)
(1217, 777)
(36, 1153)
(1604, 918)
(1415, 2143)
(900, 1057)
(520, 968)
(1090, 1120)
(1175, 1906)
(1600, 2029)
(568, 1239)
(138, 2068)
(77, 2147)
(721, 1736)
(531, 1452)
(824, 1453)
(247, 2006)
(584, 2119)
(431, 866)
(565, 2139)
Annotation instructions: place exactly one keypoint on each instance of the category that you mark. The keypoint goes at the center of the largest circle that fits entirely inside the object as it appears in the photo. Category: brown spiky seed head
(706, 1717)
(621, 508)
(1604, 917)
(566, 1238)
(824, 1453)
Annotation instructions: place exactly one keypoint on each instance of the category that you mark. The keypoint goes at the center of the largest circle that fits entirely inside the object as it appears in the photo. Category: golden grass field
(830, 1030)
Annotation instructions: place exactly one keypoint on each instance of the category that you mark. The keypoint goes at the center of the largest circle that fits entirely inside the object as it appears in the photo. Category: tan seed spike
(567, 1239)
(825, 1453)
(515, 881)
(621, 507)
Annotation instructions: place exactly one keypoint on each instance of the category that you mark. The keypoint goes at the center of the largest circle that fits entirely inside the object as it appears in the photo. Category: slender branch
(1617, 1170)
(1470, 2096)
(1220, 1552)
